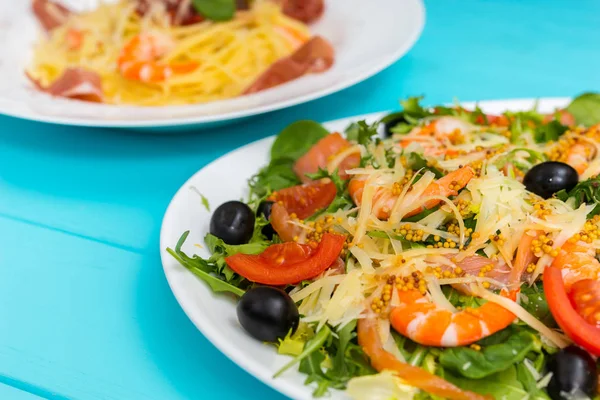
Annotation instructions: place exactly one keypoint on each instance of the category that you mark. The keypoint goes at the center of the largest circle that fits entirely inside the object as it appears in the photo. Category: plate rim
(385, 62)
(209, 331)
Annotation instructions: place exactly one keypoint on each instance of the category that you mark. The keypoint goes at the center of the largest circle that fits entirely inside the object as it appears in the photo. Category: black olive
(267, 313)
(233, 222)
(549, 177)
(391, 121)
(573, 370)
(264, 209)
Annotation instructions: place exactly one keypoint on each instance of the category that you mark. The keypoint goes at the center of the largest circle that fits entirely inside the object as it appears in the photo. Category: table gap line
(74, 234)
(31, 388)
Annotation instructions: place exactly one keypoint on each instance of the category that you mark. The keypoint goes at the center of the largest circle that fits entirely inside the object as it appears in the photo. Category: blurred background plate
(367, 36)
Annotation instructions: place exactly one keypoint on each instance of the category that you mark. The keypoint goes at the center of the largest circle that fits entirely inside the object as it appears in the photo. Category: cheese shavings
(555, 337)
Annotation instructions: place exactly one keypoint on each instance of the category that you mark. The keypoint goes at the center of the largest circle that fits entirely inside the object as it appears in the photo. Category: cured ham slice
(75, 83)
(50, 13)
(306, 11)
(314, 56)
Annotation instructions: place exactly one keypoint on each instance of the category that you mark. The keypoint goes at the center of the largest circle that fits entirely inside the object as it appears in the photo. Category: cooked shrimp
(370, 341)
(139, 59)
(385, 198)
(424, 322)
(439, 131)
(295, 37)
(577, 262)
(578, 157)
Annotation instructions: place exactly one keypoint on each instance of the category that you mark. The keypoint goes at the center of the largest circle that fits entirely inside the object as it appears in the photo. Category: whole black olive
(264, 209)
(233, 222)
(573, 370)
(549, 177)
(267, 313)
(390, 121)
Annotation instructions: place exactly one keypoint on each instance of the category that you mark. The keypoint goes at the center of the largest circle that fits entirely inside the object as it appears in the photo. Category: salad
(438, 253)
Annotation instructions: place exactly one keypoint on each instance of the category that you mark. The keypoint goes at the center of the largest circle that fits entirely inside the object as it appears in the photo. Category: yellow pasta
(229, 55)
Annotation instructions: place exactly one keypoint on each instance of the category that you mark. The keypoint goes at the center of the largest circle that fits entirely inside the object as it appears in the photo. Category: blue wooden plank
(114, 185)
(85, 312)
(82, 320)
(11, 393)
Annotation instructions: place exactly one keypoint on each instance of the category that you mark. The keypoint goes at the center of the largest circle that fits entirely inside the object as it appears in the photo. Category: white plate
(367, 36)
(214, 315)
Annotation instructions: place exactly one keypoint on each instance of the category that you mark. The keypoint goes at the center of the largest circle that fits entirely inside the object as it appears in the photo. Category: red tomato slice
(304, 200)
(574, 325)
(585, 298)
(318, 157)
(288, 263)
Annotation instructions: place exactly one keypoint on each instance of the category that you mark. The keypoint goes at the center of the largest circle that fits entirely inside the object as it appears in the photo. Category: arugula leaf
(205, 202)
(587, 192)
(216, 10)
(458, 299)
(361, 132)
(490, 359)
(279, 174)
(340, 184)
(585, 108)
(217, 245)
(293, 344)
(296, 139)
(412, 112)
(522, 158)
(310, 347)
(549, 132)
(406, 244)
(202, 269)
(331, 360)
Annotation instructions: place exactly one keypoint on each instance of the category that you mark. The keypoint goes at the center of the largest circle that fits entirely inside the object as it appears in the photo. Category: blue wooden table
(85, 311)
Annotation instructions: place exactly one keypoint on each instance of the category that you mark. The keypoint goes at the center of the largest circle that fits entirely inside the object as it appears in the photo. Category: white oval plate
(367, 36)
(214, 315)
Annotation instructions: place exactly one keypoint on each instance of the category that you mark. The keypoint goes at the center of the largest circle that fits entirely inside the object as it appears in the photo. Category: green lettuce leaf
(585, 108)
(296, 139)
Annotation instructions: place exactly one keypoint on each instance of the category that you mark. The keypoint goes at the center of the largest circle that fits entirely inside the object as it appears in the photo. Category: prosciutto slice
(50, 14)
(306, 11)
(314, 56)
(75, 83)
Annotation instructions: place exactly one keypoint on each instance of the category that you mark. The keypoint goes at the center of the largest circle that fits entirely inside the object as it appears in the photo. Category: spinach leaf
(534, 301)
(529, 383)
(585, 108)
(587, 192)
(296, 139)
(202, 269)
(216, 10)
(490, 359)
(279, 174)
(501, 385)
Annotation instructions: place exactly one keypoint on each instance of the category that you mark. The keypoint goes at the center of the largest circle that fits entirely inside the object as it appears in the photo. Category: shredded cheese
(555, 337)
